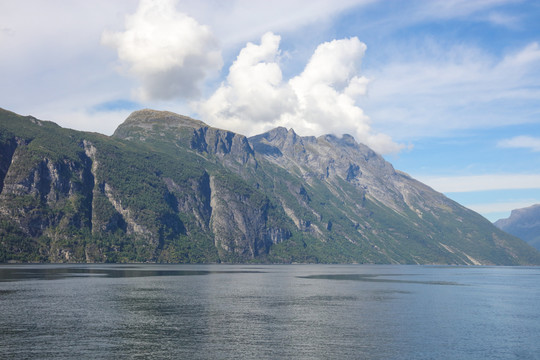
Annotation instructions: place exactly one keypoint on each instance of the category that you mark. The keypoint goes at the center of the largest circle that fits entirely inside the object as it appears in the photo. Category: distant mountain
(523, 223)
(168, 188)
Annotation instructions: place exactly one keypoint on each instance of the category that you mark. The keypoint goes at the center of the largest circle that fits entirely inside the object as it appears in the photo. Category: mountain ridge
(523, 223)
(168, 188)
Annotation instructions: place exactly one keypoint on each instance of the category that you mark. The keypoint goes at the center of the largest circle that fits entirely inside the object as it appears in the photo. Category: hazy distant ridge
(523, 223)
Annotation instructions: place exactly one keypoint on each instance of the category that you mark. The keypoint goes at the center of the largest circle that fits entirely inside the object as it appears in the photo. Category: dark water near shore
(268, 312)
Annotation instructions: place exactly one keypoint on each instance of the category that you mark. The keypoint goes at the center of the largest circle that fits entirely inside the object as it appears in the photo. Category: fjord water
(268, 312)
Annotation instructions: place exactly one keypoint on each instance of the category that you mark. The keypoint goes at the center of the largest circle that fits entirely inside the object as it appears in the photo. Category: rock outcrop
(163, 126)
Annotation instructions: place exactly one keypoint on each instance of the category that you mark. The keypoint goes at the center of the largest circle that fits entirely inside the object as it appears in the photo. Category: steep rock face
(240, 222)
(7, 149)
(223, 143)
(48, 184)
(334, 159)
(233, 214)
(523, 223)
(196, 203)
(169, 128)
(122, 218)
(44, 197)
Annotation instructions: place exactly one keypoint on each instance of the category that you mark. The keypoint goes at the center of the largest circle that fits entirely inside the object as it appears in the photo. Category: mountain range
(523, 223)
(168, 188)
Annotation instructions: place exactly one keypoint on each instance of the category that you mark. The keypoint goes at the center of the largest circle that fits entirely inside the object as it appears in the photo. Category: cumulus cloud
(525, 142)
(327, 91)
(253, 95)
(322, 99)
(168, 52)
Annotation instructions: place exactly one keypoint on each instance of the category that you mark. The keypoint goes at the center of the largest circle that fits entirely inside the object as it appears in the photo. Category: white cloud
(432, 91)
(503, 19)
(450, 184)
(322, 99)
(460, 8)
(74, 68)
(73, 112)
(253, 96)
(526, 142)
(64, 36)
(104, 122)
(499, 207)
(527, 56)
(167, 51)
(239, 21)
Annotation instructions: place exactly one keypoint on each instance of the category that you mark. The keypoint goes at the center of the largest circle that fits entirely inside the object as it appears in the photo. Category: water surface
(268, 312)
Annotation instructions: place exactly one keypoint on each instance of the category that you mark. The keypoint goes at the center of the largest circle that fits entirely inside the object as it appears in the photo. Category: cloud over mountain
(322, 99)
(168, 52)
(170, 55)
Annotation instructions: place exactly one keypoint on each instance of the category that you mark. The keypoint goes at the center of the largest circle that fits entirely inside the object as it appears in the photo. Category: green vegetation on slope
(167, 188)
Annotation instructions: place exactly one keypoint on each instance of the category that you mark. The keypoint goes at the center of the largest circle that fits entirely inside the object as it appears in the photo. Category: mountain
(168, 188)
(523, 223)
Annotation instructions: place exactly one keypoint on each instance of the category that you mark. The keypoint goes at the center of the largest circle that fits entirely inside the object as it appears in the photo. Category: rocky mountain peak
(147, 118)
(277, 133)
(322, 155)
(276, 142)
(170, 130)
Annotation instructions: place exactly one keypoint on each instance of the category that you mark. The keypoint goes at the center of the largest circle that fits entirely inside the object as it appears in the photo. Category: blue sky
(448, 91)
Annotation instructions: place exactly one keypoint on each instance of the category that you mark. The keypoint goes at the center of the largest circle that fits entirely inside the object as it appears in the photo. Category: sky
(448, 91)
